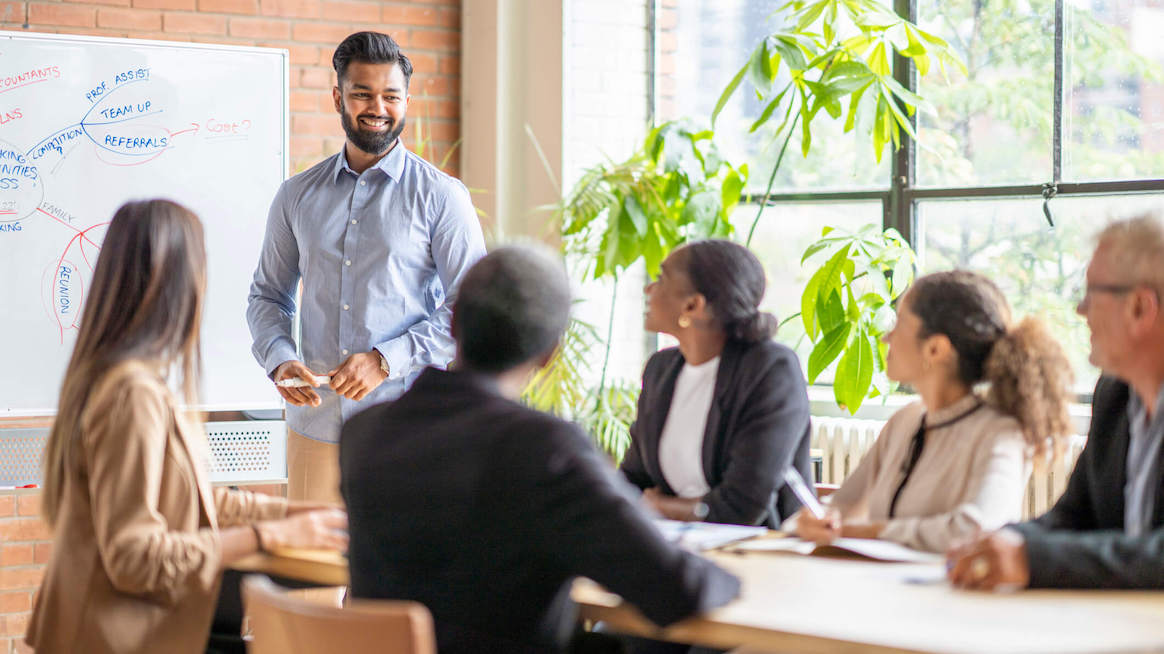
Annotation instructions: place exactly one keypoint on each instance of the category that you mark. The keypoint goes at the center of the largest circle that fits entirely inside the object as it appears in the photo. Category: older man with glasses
(1107, 531)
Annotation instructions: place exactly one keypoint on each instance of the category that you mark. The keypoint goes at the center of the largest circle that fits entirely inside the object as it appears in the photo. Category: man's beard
(368, 141)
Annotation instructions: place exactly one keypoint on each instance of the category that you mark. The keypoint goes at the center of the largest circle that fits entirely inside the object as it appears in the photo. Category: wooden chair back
(281, 624)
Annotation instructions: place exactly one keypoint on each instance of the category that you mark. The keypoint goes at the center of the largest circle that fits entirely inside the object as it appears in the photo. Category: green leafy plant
(561, 388)
(676, 187)
(847, 306)
(835, 51)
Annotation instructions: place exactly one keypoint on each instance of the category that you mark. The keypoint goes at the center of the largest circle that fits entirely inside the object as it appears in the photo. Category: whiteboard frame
(284, 121)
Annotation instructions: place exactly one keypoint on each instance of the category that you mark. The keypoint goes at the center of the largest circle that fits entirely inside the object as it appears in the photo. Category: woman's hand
(821, 531)
(299, 506)
(673, 508)
(312, 529)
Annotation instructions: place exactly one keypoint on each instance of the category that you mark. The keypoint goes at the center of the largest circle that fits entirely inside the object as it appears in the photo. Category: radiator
(240, 452)
(841, 442)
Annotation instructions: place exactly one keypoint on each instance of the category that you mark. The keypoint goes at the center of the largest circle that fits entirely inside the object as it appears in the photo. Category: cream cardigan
(971, 476)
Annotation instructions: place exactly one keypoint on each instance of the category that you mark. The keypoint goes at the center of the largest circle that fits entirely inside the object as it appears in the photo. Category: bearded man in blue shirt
(380, 239)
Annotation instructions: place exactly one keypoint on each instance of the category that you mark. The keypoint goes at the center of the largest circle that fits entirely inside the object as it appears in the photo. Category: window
(1062, 100)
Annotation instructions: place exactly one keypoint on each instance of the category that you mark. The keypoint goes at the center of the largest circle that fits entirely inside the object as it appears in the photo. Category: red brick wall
(429, 31)
(24, 549)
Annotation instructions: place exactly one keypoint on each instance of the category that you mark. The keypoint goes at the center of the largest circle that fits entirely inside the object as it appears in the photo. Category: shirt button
(354, 221)
(344, 352)
(363, 182)
(348, 262)
(346, 307)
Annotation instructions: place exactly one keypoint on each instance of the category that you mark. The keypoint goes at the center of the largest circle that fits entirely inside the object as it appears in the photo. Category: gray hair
(1137, 248)
(512, 307)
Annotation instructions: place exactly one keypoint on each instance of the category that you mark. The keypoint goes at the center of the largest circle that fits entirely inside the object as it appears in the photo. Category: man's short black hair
(370, 48)
(512, 307)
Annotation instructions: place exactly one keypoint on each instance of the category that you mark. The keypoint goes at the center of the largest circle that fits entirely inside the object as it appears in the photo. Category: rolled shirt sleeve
(271, 303)
(457, 243)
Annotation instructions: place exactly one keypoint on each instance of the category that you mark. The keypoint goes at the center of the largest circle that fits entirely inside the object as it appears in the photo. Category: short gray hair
(512, 306)
(1137, 248)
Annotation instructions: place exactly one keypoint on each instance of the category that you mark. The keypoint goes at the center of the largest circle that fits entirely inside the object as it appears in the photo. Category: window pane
(701, 45)
(782, 235)
(991, 126)
(1114, 115)
(1039, 268)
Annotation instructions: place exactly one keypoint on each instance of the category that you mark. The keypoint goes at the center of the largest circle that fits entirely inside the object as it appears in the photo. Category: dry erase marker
(296, 382)
(800, 488)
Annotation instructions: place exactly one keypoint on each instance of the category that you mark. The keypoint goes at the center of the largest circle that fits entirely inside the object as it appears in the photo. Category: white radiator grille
(842, 442)
(247, 451)
(243, 451)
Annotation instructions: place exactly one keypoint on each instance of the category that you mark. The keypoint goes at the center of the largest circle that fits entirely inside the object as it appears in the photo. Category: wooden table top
(811, 604)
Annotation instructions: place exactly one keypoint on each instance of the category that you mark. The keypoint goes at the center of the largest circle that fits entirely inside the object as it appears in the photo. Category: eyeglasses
(1085, 292)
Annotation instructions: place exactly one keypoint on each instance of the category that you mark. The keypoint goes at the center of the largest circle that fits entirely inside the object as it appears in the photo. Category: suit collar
(726, 375)
(444, 380)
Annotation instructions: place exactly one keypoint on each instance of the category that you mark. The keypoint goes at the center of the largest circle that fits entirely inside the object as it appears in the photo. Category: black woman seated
(723, 414)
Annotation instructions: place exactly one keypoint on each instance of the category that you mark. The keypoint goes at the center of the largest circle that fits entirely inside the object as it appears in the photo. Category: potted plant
(676, 187)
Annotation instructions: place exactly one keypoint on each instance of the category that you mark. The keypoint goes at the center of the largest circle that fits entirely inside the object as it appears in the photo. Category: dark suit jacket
(758, 424)
(485, 511)
(1080, 542)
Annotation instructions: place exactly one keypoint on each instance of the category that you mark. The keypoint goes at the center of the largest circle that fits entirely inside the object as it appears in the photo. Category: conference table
(796, 603)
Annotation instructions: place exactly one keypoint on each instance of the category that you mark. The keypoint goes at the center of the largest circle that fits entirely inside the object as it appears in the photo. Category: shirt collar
(391, 164)
(1138, 413)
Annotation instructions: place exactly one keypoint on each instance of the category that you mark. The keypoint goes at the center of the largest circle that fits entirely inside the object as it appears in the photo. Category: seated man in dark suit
(484, 510)
(1107, 531)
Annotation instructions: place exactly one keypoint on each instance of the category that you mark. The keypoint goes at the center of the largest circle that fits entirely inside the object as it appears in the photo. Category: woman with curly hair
(956, 461)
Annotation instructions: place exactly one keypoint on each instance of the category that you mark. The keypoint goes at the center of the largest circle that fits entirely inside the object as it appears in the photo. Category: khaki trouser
(312, 469)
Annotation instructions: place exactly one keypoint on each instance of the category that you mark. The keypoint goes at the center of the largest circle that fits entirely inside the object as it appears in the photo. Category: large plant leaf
(854, 373)
(827, 350)
(825, 280)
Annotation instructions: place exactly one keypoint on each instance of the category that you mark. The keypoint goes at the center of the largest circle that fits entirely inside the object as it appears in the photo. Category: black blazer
(485, 511)
(1080, 542)
(758, 424)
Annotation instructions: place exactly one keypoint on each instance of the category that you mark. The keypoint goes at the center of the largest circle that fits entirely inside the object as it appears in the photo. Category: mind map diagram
(121, 125)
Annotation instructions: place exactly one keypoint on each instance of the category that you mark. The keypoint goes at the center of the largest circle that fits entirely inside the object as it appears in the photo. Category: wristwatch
(383, 363)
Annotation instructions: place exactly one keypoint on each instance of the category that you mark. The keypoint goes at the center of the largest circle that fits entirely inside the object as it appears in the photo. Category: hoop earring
(684, 322)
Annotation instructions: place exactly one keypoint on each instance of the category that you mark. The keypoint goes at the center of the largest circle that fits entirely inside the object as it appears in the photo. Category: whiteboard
(87, 123)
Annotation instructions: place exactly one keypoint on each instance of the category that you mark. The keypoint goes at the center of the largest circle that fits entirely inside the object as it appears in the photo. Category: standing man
(1107, 531)
(380, 239)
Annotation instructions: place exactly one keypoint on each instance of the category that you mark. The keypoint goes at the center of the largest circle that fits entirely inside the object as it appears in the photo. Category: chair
(288, 625)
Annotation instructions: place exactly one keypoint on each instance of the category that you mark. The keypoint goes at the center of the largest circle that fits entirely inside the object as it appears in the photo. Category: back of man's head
(512, 308)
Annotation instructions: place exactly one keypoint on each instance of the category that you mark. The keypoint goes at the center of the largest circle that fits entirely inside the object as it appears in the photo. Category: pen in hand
(800, 489)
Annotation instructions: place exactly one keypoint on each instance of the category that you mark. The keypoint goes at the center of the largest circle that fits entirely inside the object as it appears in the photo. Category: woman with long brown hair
(954, 462)
(139, 537)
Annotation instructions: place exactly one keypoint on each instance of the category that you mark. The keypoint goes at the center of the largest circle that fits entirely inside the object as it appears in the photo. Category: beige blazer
(135, 560)
(971, 476)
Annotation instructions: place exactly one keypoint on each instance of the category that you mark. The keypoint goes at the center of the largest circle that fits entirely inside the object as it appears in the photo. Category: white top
(681, 445)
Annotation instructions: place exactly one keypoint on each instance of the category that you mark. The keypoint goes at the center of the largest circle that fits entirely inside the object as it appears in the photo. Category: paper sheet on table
(705, 535)
(877, 550)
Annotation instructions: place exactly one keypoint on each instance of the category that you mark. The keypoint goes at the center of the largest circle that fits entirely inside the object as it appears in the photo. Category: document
(866, 548)
(699, 536)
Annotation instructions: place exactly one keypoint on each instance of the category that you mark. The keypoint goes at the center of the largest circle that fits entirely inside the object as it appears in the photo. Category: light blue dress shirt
(381, 255)
(1145, 438)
